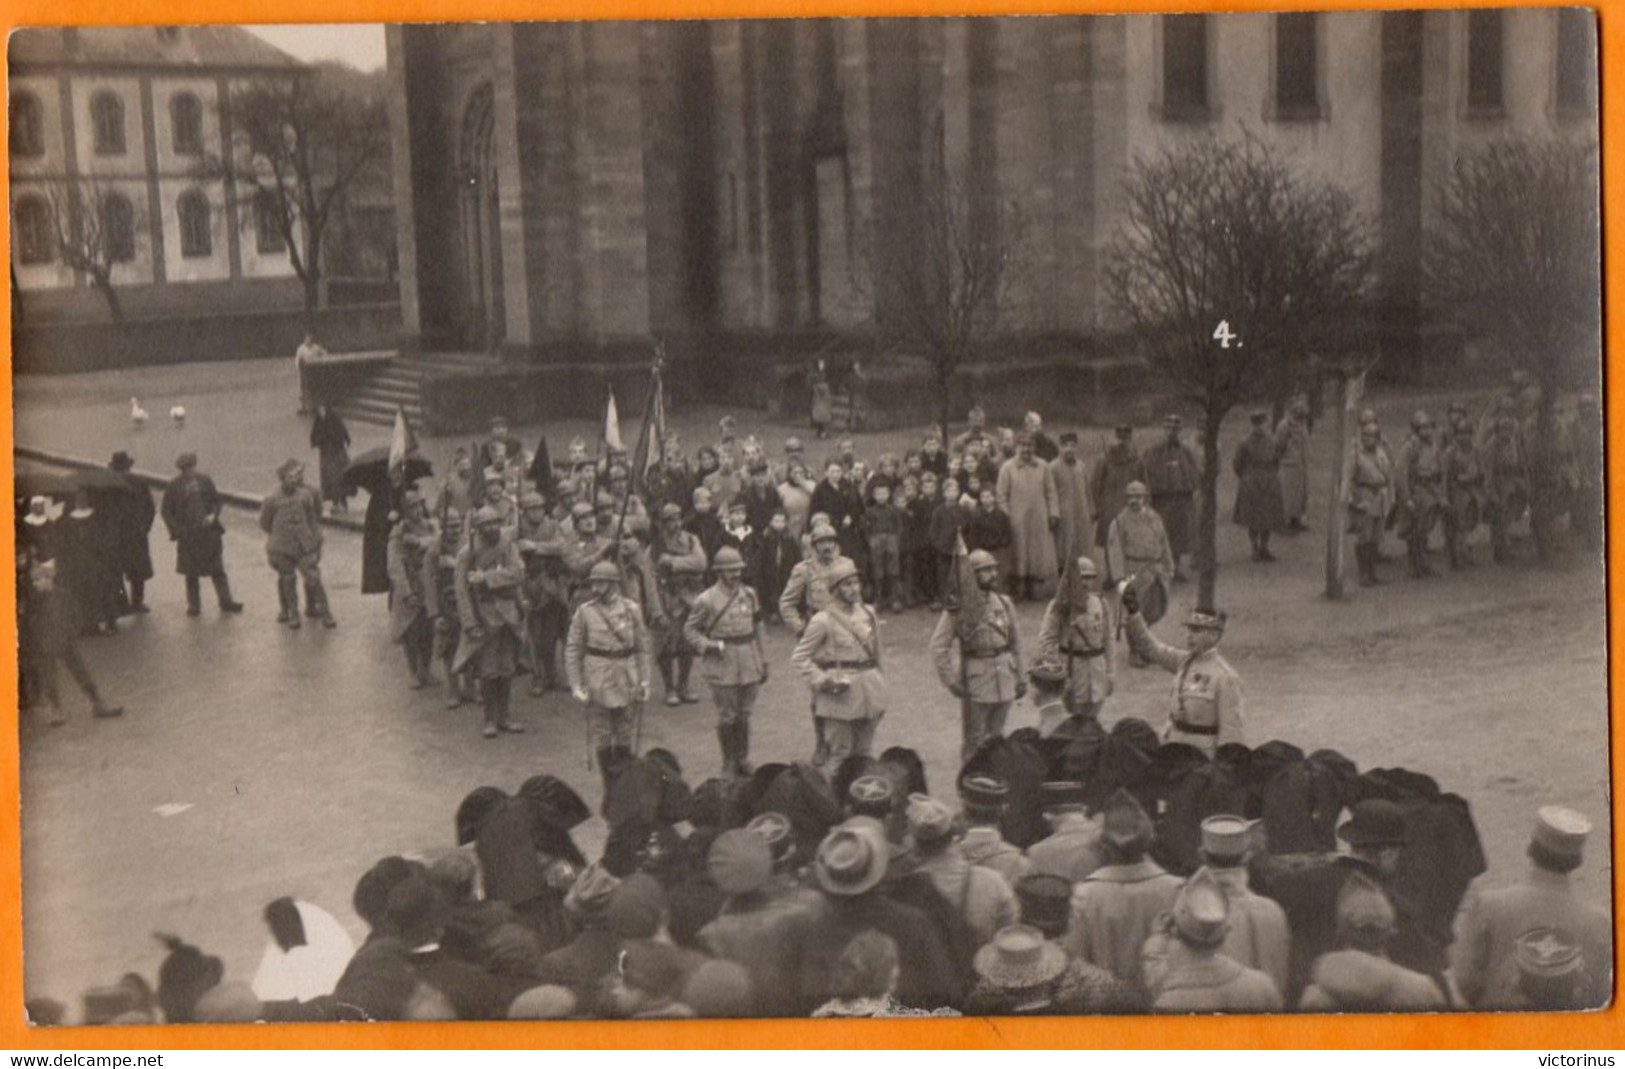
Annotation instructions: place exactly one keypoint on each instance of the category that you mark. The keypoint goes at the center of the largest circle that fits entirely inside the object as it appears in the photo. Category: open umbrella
(369, 471)
(98, 480)
(42, 484)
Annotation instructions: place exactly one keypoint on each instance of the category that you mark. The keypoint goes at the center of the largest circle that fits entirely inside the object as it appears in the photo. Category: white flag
(612, 425)
(401, 442)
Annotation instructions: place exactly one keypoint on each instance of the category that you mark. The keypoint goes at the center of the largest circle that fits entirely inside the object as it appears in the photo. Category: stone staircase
(400, 383)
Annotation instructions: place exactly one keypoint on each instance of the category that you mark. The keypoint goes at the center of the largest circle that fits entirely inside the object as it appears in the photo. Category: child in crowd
(779, 553)
(947, 520)
(704, 524)
(924, 564)
(885, 523)
(989, 528)
(737, 532)
(908, 492)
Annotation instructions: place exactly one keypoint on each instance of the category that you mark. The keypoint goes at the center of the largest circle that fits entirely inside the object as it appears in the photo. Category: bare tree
(941, 288)
(299, 144)
(1514, 254)
(1229, 269)
(93, 228)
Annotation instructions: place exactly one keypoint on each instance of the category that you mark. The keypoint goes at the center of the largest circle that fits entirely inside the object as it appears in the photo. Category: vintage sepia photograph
(811, 518)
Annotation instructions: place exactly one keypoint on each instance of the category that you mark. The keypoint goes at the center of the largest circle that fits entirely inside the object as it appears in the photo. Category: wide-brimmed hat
(1374, 822)
(121, 461)
(852, 858)
(1019, 957)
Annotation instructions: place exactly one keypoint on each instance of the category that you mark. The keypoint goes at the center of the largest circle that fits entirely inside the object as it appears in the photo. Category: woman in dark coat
(191, 512)
(331, 440)
(130, 516)
(1259, 507)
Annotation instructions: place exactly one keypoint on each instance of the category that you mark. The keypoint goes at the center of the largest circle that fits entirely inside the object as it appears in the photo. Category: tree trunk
(944, 406)
(104, 285)
(1207, 528)
(312, 287)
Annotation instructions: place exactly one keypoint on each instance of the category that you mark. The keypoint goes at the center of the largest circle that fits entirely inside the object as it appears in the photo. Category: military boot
(316, 594)
(742, 748)
(725, 739)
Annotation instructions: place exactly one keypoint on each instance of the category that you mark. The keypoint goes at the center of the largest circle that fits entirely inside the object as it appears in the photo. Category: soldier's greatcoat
(806, 593)
(1081, 639)
(843, 641)
(731, 618)
(607, 653)
(488, 581)
(988, 662)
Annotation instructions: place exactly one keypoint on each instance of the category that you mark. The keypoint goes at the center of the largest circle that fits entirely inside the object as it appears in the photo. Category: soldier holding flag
(1077, 631)
(982, 624)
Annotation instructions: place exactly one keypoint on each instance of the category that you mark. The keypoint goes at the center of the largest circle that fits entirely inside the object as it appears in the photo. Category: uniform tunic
(580, 554)
(1117, 467)
(1195, 981)
(1491, 921)
(1369, 480)
(806, 593)
(607, 653)
(989, 668)
(1075, 537)
(1419, 483)
(1026, 493)
(490, 604)
(1292, 441)
(1137, 544)
(1081, 638)
(1173, 476)
(844, 641)
(412, 596)
(1258, 496)
(1206, 702)
(725, 626)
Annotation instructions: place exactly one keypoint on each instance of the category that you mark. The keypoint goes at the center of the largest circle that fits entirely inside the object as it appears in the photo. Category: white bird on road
(138, 415)
(178, 414)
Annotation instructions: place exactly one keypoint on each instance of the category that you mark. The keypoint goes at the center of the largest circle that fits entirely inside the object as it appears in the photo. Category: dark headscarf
(372, 890)
(183, 978)
(474, 809)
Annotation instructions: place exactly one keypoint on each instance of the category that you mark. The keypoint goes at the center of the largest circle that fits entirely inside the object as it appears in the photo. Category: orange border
(1552, 1032)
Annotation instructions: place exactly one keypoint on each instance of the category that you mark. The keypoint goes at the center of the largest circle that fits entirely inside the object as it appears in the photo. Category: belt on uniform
(734, 640)
(1188, 728)
(989, 654)
(856, 666)
(1087, 651)
(594, 651)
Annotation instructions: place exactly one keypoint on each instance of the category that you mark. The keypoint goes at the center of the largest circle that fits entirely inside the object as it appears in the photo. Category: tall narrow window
(186, 124)
(1576, 62)
(268, 236)
(35, 231)
(1184, 67)
(1485, 48)
(118, 228)
(192, 208)
(27, 126)
(1297, 62)
(107, 123)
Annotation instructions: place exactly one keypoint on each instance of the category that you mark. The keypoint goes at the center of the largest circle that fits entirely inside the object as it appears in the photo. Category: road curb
(234, 498)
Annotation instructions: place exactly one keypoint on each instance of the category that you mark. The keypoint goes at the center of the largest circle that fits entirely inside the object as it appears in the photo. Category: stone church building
(568, 188)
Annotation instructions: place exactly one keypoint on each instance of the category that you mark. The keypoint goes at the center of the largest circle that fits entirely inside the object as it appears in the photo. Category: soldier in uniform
(607, 658)
(983, 798)
(1187, 970)
(1259, 937)
(1257, 466)
(1173, 476)
(1117, 467)
(807, 593)
(679, 562)
(1506, 472)
(448, 618)
(1138, 551)
(1077, 629)
(1419, 484)
(839, 656)
(589, 547)
(725, 627)
(291, 517)
(1483, 956)
(988, 678)
(1464, 493)
(413, 543)
(1206, 699)
(546, 593)
(1292, 443)
(1369, 480)
(489, 575)
(191, 512)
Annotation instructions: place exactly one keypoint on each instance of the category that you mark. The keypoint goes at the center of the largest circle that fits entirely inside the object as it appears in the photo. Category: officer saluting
(607, 658)
(725, 627)
(1207, 703)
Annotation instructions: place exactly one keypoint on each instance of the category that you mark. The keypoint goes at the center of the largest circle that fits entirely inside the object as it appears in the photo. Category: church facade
(574, 187)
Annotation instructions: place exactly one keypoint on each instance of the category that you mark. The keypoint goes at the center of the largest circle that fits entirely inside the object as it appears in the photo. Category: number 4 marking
(1223, 335)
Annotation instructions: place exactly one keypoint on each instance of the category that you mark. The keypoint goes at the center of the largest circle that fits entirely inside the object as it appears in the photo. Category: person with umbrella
(291, 518)
(372, 472)
(331, 440)
(191, 512)
(131, 516)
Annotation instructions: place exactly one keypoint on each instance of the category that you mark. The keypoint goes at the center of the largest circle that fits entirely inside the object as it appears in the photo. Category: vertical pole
(1335, 525)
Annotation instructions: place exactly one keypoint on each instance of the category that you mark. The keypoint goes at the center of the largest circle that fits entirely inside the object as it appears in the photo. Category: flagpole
(648, 413)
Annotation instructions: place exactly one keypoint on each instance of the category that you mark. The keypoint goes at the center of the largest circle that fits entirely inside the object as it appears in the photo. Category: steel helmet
(980, 559)
(823, 532)
(1136, 489)
(727, 560)
(604, 571)
(485, 516)
(1086, 568)
(840, 572)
